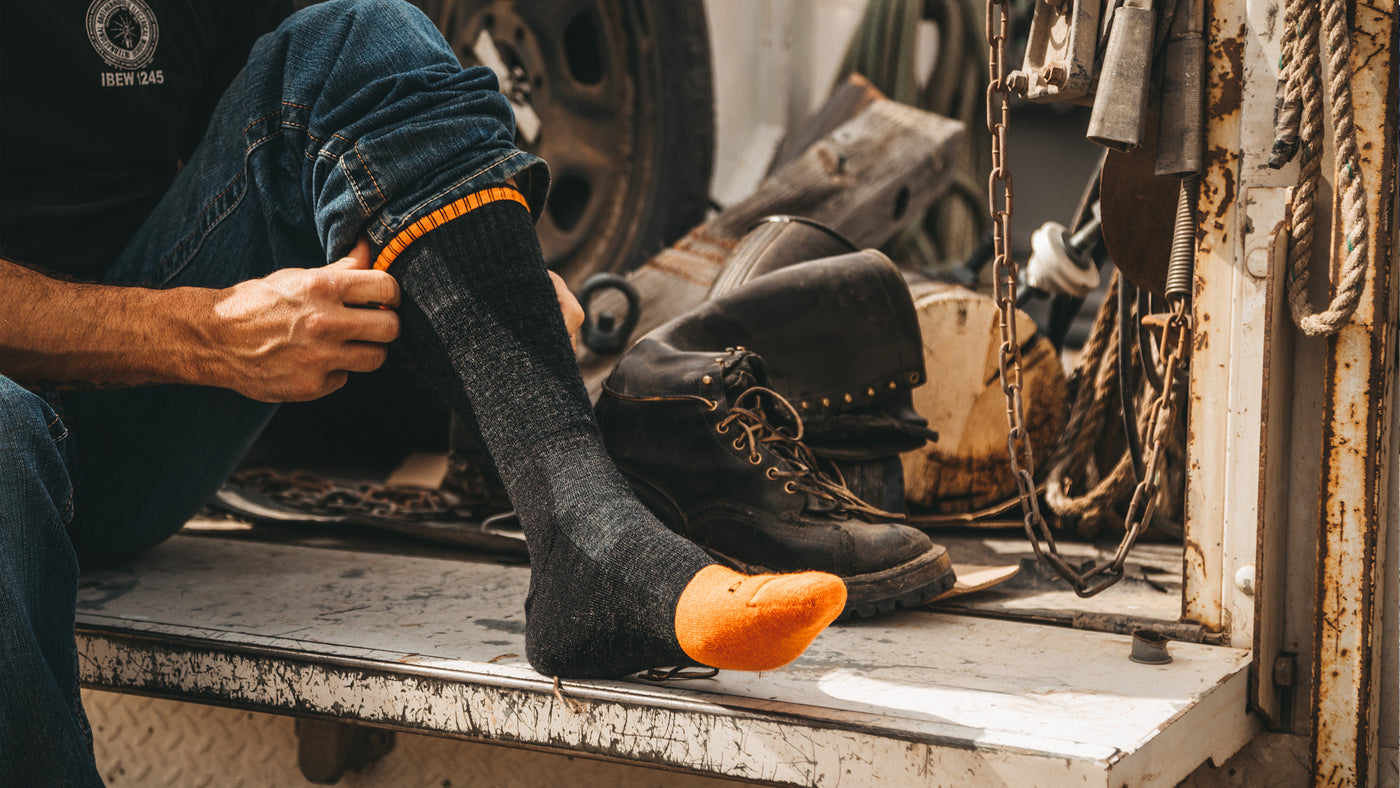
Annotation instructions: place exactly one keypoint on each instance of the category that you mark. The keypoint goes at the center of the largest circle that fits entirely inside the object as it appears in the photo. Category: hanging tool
(1120, 103)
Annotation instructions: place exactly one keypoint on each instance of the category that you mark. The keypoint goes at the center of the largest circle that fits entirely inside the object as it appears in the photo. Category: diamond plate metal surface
(153, 743)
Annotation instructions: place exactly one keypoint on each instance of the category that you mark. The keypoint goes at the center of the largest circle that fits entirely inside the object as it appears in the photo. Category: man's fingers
(363, 356)
(374, 325)
(568, 307)
(335, 381)
(358, 259)
(369, 288)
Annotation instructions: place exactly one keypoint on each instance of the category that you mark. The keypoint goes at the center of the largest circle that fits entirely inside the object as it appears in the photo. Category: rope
(1097, 381)
(1301, 68)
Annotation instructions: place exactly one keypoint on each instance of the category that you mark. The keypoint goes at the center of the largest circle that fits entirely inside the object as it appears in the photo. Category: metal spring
(1179, 268)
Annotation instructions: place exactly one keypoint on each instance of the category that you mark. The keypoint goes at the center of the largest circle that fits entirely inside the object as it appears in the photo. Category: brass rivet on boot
(707, 380)
(893, 385)
(848, 398)
(914, 378)
(826, 403)
(804, 406)
(741, 348)
(870, 392)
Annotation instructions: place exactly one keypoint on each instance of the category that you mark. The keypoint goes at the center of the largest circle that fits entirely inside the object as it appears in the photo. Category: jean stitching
(197, 233)
(320, 143)
(368, 171)
(419, 208)
(203, 229)
(355, 187)
(176, 252)
(253, 123)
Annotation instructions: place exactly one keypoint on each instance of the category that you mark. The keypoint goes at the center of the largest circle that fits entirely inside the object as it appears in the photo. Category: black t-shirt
(100, 102)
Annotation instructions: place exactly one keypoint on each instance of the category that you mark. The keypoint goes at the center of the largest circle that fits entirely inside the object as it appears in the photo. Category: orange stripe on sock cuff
(443, 215)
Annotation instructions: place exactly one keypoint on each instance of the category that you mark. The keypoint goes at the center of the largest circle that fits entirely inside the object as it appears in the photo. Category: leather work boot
(841, 341)
(719, 457)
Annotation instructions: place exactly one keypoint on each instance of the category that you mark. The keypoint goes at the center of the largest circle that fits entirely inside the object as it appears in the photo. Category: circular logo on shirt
(124, 32)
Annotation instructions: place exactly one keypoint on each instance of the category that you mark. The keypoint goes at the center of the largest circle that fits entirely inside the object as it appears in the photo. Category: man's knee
(31, 450)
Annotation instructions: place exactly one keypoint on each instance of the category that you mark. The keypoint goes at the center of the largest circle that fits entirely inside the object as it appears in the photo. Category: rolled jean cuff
(531, 180)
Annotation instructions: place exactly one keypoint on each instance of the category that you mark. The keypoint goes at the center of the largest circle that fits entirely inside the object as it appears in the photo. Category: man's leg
(44, 736)
(355, 119)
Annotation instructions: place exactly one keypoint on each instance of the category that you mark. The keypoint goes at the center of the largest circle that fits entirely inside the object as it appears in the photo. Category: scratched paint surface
(445, 641)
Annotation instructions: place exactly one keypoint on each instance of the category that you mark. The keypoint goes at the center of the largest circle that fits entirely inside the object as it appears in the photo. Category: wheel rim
(569, 63)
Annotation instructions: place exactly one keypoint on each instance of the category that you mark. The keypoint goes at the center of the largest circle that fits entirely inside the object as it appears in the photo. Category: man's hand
(569, 307)
(297, 333)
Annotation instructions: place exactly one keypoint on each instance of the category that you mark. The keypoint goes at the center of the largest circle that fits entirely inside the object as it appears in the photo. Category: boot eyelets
(738, 444)
(755, 459)
(722, 428)
(771, 473)
(790, 487)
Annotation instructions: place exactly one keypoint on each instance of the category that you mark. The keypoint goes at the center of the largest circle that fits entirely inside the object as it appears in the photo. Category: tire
(623, 92)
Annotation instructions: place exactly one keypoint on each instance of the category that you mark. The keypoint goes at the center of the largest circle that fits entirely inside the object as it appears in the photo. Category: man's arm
(292, 335)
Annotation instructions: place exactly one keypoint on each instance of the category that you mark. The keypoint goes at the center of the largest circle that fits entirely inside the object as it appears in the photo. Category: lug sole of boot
(909, 585)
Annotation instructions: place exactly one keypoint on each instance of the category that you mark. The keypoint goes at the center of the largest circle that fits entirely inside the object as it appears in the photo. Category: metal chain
(1162, 411)
(314, 494)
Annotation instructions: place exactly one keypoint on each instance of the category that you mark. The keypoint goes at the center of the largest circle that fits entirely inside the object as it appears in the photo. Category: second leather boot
(718, 456)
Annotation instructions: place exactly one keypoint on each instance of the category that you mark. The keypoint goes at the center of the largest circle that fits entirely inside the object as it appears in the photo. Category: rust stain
(1226, 87)
(1227, 192)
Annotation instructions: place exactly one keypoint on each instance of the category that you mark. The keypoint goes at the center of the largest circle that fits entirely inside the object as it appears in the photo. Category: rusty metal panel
(1237, 422)
(1360, 379)
(1217, 249)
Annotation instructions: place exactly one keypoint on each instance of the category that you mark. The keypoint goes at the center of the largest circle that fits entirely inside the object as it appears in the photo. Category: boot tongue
(742, 371)
(745, 370)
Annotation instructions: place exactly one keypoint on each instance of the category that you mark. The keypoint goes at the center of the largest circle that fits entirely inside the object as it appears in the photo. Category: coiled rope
(1301, 70)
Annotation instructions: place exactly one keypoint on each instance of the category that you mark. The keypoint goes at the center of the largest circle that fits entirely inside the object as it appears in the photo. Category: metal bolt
(1149, 648)
(1244, 580)
(1054, 74)
(1018, 82)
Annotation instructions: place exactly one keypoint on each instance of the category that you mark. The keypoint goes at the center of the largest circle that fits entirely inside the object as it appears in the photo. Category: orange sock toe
(732, 621)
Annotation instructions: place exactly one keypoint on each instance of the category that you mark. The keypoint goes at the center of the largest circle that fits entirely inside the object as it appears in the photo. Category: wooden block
(967, 468)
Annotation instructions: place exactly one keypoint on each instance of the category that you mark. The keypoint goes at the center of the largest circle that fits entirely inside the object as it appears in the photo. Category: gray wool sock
(480, 319)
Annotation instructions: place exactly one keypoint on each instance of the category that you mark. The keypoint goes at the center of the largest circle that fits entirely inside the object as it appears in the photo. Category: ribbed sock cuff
(447, 213)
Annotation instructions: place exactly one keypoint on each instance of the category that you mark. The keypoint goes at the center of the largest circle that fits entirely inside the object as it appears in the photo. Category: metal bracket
(1060, 52)
(326, 749)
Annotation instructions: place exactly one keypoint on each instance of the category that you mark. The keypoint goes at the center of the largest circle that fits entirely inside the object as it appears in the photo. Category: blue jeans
(353, 118)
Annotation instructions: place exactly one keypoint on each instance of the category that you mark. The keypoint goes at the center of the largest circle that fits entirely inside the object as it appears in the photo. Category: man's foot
(754, 622)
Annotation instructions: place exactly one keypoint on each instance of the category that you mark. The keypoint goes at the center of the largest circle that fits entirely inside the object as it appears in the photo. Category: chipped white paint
(435, 645)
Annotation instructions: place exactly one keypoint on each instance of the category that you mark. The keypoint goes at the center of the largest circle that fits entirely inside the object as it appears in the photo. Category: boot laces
(800, 467)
